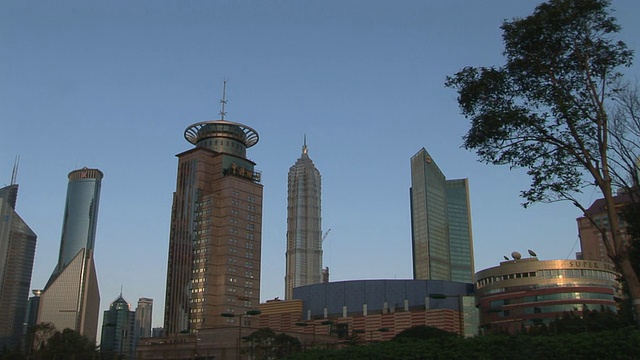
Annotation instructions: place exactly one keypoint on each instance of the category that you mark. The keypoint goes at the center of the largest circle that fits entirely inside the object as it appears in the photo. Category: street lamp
(460, 308)
(240, 316)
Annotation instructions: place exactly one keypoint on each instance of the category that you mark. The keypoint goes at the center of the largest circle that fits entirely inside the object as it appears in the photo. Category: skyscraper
(17, 249)
(144, 312)
(215, 235)
(304, 225)
(440, 223)
(71, 298)
(118, 330)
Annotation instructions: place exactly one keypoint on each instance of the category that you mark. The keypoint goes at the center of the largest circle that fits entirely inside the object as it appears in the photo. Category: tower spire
(14, 173)
(224, 99)
(304, 146)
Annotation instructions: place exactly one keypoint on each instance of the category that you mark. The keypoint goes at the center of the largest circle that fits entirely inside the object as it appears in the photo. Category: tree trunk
(633, 283)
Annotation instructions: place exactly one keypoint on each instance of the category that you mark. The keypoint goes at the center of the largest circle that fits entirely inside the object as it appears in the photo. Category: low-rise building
(520, 293)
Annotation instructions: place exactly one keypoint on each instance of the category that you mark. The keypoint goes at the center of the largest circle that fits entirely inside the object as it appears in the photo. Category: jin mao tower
(215, 235)
(304, 225)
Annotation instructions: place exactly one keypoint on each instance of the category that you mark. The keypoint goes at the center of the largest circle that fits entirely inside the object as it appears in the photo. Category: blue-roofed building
(393, 305)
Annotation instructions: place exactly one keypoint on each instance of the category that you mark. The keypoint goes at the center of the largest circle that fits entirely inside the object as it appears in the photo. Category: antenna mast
(14, 173)
(224, 99)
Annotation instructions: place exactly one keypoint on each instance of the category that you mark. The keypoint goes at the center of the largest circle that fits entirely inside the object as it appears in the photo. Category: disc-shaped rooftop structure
(222, 136)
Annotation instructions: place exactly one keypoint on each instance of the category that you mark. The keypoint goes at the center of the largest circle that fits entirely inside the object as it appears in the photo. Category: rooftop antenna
(224, 99)
(304, 146)
(14, 173)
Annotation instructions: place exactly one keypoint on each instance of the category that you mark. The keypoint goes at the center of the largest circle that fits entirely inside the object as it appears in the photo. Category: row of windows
(206, 221)
(551, 309)
(551, 274)
(552, 297)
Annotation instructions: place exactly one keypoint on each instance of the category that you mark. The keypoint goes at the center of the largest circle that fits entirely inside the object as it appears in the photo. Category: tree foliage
(611, 344)
(266, 344)
(68, 344)
(559, 108)
(545, 109)
(423, 332)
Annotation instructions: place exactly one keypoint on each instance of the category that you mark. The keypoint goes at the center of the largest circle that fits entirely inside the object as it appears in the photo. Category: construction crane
(325, 235)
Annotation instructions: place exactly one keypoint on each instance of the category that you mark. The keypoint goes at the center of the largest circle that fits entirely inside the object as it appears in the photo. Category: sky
(114, 84)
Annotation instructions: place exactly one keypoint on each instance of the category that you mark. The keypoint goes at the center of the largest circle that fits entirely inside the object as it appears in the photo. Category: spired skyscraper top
(215, 235)
(71, 298)
(17, 249)
(304, 225)
(441, 236)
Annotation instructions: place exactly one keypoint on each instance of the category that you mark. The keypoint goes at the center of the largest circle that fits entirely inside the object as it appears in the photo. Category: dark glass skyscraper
(215, 237)
(71, 298)
(118, 331)
(17, 249)
(304, 225)
(440, 223)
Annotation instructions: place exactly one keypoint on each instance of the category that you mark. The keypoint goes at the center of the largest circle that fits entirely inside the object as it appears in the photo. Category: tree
(68, 344)
(38, 335)
(423, 332)
(549, 110)
(265, 344)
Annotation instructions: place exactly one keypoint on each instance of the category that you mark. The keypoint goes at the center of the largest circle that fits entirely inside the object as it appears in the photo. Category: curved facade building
(304, 225)
(524, 292)
(71, 298)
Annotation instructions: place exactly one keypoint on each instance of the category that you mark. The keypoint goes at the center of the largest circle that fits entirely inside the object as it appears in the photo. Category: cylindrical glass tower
(80, 214)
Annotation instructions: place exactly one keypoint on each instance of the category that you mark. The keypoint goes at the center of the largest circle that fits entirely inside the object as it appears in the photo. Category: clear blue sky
(113, 85)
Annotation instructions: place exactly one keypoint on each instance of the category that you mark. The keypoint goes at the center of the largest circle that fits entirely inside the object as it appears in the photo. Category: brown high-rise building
(591, 243)
(215, 235)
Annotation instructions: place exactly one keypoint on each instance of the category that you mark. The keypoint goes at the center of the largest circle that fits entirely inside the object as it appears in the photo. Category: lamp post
(240, 316)
(460, 308)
